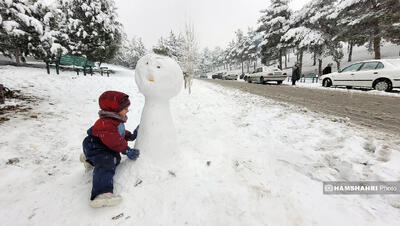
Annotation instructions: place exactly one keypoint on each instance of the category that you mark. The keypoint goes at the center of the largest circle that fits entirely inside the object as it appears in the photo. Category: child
(106, 139)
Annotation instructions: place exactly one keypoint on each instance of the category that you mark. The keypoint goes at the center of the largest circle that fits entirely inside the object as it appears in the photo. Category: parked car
(218, 75)
(266, 74)
(382, 75)
(203, 76)
(230, 77)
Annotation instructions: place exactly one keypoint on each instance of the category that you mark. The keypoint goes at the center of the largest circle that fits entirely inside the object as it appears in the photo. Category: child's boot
(105, 199)
(87, 165)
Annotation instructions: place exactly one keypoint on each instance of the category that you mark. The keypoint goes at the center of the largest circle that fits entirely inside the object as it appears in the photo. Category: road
(378, 112)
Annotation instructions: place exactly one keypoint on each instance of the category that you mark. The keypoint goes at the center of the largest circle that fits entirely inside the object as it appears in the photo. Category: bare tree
(189, 55)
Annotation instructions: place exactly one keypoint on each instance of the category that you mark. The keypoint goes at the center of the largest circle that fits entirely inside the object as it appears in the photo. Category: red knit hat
(113, 101)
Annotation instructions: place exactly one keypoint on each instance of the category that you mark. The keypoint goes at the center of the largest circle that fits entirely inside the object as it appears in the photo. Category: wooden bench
(79, 62)
(104, 70)
(67, 60)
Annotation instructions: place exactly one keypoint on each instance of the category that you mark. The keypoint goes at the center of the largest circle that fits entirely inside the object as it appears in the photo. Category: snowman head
(158, 76)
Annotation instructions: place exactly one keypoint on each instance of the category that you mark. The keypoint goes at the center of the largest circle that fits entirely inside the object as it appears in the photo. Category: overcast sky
(215, 21)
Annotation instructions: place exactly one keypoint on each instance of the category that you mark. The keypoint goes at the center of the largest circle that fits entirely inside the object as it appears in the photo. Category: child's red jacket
(107, 128)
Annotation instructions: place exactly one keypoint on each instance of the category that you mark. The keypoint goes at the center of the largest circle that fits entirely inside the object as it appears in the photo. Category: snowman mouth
(150, 78)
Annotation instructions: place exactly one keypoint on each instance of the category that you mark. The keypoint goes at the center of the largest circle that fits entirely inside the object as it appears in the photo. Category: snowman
(159, 78)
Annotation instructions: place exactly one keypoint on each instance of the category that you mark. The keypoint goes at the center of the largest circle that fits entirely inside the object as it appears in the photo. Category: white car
(230, 77)
(266, 74)
(382, 75)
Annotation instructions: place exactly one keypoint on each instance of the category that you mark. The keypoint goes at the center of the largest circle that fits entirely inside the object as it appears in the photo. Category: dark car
(217, 76)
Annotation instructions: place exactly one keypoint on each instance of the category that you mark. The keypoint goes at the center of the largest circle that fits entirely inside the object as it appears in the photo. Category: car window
(379, 66)
(369, 66)
(353, 67)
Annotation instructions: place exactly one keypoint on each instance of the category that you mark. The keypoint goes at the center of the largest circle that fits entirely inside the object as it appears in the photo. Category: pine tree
(371, 20)
(130, 52)
(312, 29)
(272, 27)
(171, 46)
(92, 27)
(252, 47)
(19, 30)
(52, 43)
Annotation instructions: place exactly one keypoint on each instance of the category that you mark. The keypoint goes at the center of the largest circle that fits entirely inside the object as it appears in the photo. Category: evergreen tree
(371, 20)
(130, 52)
(19, 30)
(52, 43)
(92, 27)
(217, 55)
(272, 27)
(171, 46)
(311, 29)
(252, 47)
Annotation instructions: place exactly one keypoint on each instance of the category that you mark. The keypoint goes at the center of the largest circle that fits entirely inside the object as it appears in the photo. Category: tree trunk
(319, 67)
(315, 59)
(17, 57)
(255, 65)
(280, 59)
(242, 66)
(288, 56)
(377, 47)
(301, 61)
(338, 64)
(2, 98)
(350, 51)
(286, 60)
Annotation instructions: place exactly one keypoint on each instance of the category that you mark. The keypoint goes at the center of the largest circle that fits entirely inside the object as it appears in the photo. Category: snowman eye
(158, 66)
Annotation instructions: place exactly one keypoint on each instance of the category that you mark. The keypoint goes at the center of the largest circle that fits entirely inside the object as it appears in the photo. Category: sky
(214, 21)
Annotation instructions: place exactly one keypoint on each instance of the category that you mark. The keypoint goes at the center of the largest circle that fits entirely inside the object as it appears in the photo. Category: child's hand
(132, 153)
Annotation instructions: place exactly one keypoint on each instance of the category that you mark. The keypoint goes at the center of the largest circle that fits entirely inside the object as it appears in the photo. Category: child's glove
(133, 136)
(132, 153)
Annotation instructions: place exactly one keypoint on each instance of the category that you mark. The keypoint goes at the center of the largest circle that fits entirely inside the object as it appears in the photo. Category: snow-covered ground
(317, 85)
(244, 160)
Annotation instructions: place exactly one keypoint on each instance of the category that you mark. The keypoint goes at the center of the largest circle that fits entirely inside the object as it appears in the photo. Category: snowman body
(159, 78)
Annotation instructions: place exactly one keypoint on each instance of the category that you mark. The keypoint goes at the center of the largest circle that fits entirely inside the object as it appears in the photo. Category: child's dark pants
(104, 161)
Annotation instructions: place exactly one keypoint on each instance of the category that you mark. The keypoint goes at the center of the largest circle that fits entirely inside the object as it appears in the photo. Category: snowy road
(244, 160)
(378, 112)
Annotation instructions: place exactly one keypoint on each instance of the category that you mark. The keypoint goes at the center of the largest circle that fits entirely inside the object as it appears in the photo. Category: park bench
(313, 76)
(104, 70)
(79, 62)
(76, 62)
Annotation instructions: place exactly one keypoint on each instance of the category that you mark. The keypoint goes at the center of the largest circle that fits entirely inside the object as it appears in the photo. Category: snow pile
(245, 160)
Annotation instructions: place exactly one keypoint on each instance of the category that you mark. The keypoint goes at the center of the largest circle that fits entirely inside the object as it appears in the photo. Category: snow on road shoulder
(314, 85)
(245, 160)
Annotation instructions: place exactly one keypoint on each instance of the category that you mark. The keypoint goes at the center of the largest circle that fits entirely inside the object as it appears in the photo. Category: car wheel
(262, 80)
(279, 82)
(349, 87)
(383, 85)
(327, 82)
(249, 80)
